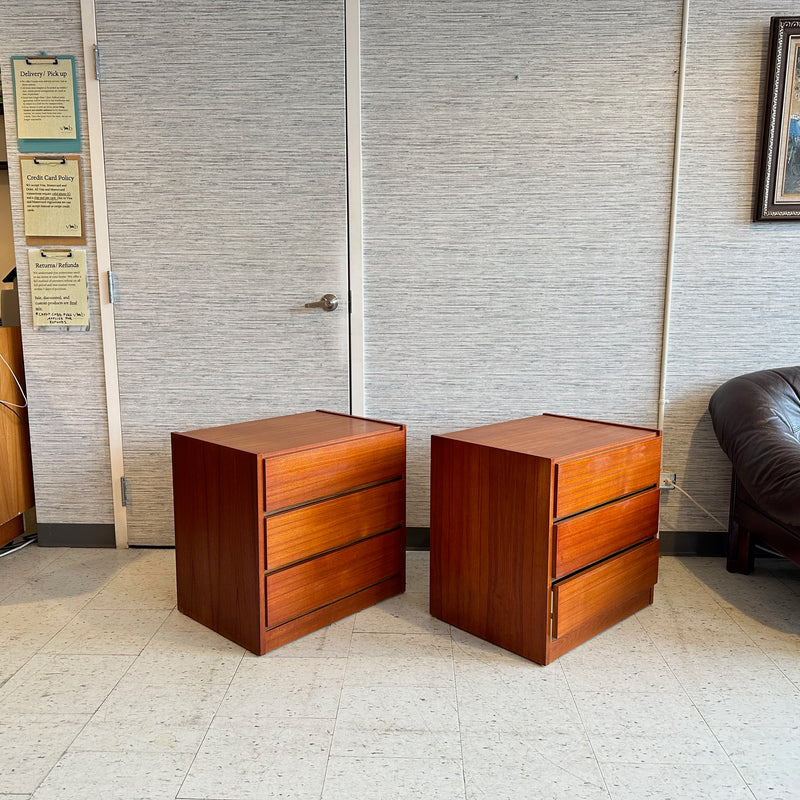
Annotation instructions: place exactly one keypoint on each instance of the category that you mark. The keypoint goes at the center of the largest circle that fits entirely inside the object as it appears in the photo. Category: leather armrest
(756, 419)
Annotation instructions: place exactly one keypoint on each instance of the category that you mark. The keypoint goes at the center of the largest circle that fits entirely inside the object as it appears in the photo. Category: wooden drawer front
(304, 532)
(301, 477)
(580, 541)
(588, 482)
(578, 599)
(316, 583)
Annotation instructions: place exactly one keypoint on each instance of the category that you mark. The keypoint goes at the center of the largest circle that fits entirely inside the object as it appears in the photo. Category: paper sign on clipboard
(59, 294)
(46, 104)
(52, 200)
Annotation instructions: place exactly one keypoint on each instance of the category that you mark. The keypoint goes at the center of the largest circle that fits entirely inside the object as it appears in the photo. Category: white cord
(21, 390)
(702, 508)
(13, 548)
(717, 520)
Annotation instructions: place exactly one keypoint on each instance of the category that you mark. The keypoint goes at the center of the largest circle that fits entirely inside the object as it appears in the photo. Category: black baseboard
(418, 538)
(673, 543)
(64, 535)
(693, 543)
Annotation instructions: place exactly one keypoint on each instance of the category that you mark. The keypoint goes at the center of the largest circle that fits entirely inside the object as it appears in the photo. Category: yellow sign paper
(45, 99)
(59, 296)
(51, 195)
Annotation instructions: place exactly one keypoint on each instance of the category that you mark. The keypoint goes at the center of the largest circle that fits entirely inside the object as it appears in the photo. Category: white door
(225, 158)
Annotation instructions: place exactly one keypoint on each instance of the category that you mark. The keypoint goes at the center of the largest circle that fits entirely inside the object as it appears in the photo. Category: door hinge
(97, 65)
(113, 287)
(123, 482)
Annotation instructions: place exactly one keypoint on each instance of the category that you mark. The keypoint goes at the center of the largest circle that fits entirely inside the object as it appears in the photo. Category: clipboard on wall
(46, 104)
(59, 293)
(52, 200)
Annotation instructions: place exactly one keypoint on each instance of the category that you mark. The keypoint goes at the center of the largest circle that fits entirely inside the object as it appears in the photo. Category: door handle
(328, 302)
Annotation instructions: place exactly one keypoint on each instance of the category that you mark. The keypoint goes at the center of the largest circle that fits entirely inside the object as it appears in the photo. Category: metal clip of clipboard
(55, 252)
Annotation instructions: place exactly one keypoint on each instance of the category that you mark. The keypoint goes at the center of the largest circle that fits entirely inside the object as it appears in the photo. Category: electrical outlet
(667, 480)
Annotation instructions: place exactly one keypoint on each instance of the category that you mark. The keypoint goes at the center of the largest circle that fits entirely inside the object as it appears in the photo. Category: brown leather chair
(756, 419)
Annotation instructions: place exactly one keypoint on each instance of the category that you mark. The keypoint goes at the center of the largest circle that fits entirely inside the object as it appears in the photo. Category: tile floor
(107, 692)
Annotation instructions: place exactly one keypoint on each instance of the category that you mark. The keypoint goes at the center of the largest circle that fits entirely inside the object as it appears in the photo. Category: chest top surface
(277, 435)
(554, 437)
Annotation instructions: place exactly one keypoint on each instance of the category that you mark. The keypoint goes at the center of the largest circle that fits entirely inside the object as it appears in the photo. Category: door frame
(103, 249)
(104, 266)
(355, 196)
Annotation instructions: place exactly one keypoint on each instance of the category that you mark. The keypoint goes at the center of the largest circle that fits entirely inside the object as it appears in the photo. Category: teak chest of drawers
(543, 530)
(285, 525)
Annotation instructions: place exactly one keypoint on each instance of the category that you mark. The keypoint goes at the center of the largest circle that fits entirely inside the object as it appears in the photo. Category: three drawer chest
(543, 530)
(284, 525)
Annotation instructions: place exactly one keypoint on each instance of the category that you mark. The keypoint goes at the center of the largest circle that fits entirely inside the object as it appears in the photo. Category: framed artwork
(778, 195)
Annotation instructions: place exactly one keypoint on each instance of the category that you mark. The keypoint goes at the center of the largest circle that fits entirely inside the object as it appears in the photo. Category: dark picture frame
(778, 195)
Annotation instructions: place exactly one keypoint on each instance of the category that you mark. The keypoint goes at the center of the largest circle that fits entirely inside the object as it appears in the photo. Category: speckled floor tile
(332, 641)
(181, 635)
(467, 647)
(623, 656)
(760, 731)
(284, 687)
(31, 744)
(137, 589)
(400, 659)
(405, 613)
(19, 567)
(72, 579)
(397, 721)
(516, 697)
(679, 588)
(158, 667)
(63, 684)
(271, 759)
(394, 778)
(555, 763)
(675, 782)
(146, 718)
(13, 659)
(121, 632)
(418, 573)
(647, 728)
(30, 625)
(696, 630)
(767, 758)
(121, 776)
(697, 696)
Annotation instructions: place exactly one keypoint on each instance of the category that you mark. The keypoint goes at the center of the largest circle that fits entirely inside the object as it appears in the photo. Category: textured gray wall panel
(225, 152)
(64, 371)
(735, 306)
(517, 172)
(517, 175)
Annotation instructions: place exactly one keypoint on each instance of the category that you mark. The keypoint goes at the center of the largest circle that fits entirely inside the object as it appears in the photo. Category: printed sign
(52, 199)
(45, 99)
(59, 295)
